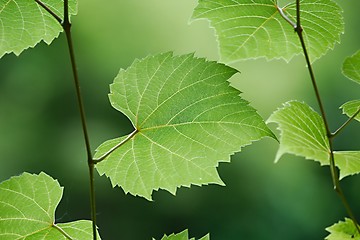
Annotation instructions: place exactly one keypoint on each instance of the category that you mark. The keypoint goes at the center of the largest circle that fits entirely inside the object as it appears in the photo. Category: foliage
(186, 116)
(182, 236)
(187, 119)
(27, 207)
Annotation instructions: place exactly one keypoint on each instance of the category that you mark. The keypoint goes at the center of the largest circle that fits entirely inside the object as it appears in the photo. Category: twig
(49, 11)
(333, 170)
(345, 124)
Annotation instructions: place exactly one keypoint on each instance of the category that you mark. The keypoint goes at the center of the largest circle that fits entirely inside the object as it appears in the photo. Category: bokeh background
(40, 128)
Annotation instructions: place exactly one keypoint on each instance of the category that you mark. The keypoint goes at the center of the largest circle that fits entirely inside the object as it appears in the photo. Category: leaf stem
(333, 170)
(49, 11)
(345, 124)
(62, 231)
(97, 160)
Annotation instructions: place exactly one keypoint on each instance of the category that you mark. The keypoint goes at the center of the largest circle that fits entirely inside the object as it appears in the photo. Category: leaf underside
(254, 28)
(24, 24)
(351, 67)
(350, 108)
(182, 236)
(27, 210)
(187, 118)
(303, 134)
(343, 230)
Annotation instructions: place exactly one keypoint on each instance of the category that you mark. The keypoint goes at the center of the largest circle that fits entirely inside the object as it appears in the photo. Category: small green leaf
(187, 119)
(255, 28)
(24, 23)
(348, 162)
(351, 67)
(27, 210)
(343, 231)
(302, 132)
(182, 236)
(350, 108)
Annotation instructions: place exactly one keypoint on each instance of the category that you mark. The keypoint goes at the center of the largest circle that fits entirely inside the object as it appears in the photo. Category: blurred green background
(40, 128)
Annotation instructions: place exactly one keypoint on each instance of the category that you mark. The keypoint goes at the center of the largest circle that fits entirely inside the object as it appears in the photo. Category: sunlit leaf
(187, 120)
(24, 24)
(182, 236)
(350, 108)
(351, 67)
(343, 231)
(302, 132)
(348, 162)
(27, 210)
(255, 28)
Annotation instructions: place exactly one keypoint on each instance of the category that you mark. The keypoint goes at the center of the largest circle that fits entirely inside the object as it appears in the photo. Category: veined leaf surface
(351, 107)
(351, 67)
(23, 24)
(255, 28)
(27, 210)
(303, 134)
(343, 231)
(182, 236)
(187, 119)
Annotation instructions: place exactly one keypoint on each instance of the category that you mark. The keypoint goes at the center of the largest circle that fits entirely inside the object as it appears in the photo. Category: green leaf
(350, 108)
(302, 132)
(27, 210)
(255, 28)
(343, 231)
(187, 119)
(348, 162)
(24, 23)
(351, 67)
(182, 236)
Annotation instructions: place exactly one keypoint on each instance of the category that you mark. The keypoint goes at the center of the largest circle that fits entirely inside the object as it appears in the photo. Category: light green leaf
(351, 67)
(27, 210)
(24, 24)
(343, 231)
(255, 28)
(350, 108)
(302, 132)
(187, 120)
(348, 162)
(182, 236)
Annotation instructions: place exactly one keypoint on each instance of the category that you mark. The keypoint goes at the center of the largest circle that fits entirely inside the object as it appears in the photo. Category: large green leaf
(23, 23)
(303, 134)
(187, 119)
(351, 67)
(27, 210)
(343, 231)
(182, 236)
(255, 28)
(351, 107)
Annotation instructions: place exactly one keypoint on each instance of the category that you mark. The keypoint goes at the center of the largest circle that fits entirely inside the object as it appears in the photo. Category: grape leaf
(303, 134)
(187, 119)
(255, 28)
(348, 162)
(343, 231)
(24, 24)
(27, 210)
(351, 67)
(182, 236)
(351, 107)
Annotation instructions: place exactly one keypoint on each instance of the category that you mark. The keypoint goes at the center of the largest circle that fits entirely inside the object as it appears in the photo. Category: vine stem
(66, 25)
(333, 170)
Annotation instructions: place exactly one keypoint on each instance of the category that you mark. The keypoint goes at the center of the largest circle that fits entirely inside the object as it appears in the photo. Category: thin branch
(345, 124)
(67, 28)
(284, 16)
(333, 170)
(49, 11)
(97, 160)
